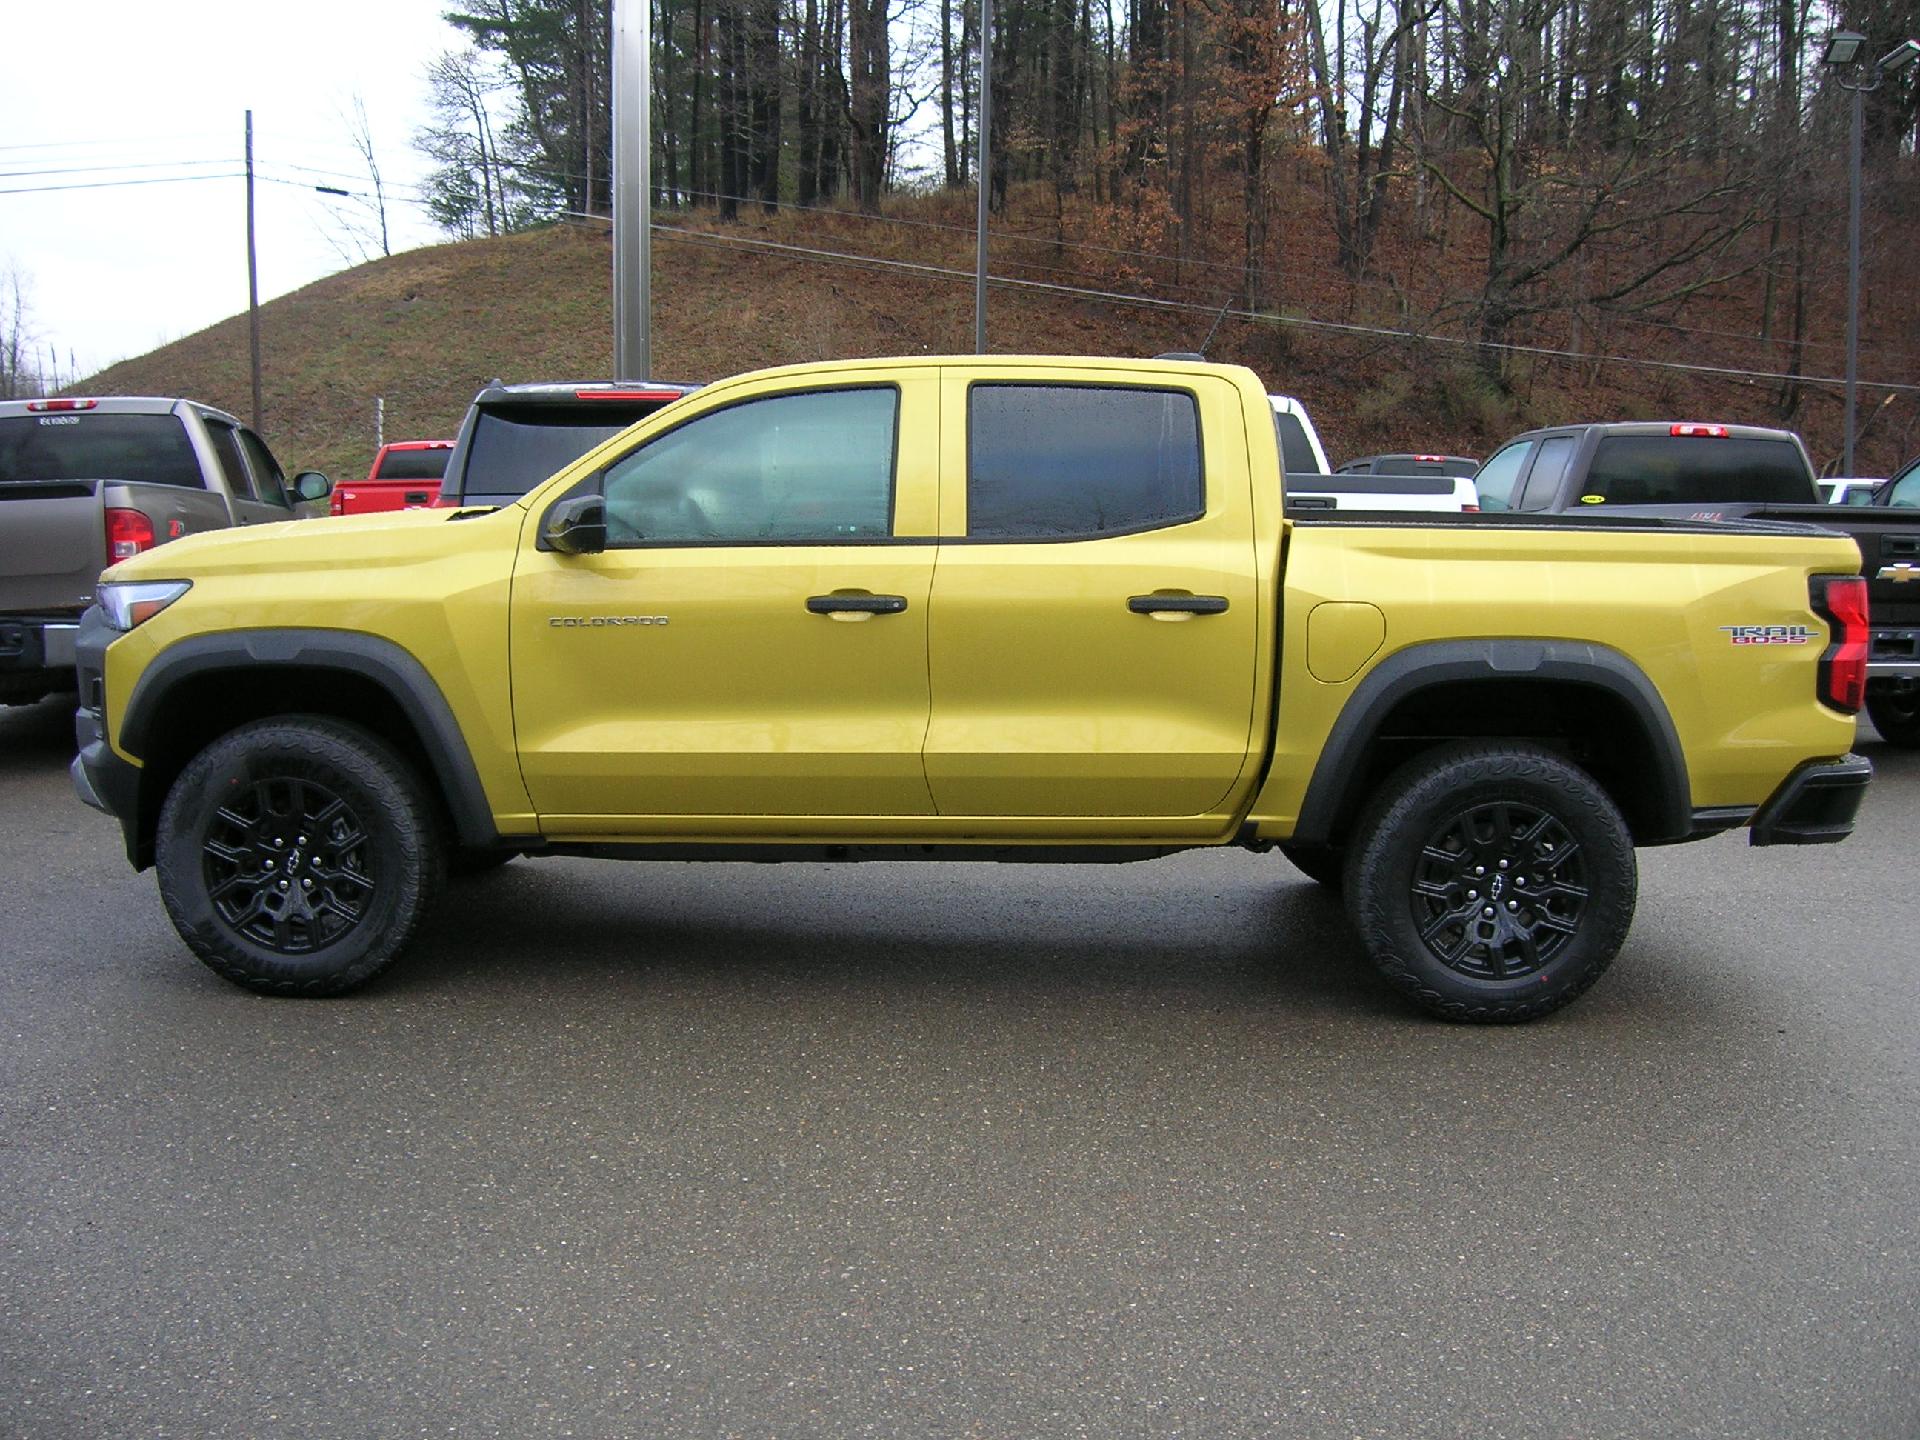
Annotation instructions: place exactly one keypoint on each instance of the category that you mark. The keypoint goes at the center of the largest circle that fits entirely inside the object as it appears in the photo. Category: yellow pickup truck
(968, 608)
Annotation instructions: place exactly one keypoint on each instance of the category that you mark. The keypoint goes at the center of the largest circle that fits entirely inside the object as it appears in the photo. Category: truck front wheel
(296, 856)
(1491, 881)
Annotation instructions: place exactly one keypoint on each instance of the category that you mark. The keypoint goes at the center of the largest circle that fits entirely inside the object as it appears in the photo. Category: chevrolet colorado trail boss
(86, 482)
(1727, 472)
(976, 608)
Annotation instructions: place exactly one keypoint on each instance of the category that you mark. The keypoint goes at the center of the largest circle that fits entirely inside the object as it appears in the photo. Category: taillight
(1707, 432)
(128, 533)
(626, 394)
(338, 504)
(1841, 600)
(1469, 509)
(41, 407)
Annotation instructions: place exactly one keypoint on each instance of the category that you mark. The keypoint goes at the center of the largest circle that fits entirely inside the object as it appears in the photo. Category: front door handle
(855, 605)
(1177, 604)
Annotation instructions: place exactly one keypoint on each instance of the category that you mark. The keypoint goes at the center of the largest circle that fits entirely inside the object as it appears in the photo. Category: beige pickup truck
(85, 483)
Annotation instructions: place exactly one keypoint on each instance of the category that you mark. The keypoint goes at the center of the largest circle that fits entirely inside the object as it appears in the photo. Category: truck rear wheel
(296, 856)
(1896, 715)
(1491, 881)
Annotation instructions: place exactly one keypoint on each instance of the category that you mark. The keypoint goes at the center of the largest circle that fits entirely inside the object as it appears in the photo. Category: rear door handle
(1177, 604)
(855, 607)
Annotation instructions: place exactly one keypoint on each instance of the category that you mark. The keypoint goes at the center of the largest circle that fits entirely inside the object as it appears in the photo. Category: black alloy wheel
(1491, 880)
(288, 866)
(1498, 890)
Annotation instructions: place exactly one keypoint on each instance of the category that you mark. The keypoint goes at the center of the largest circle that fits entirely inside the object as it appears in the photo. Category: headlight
(127, 604)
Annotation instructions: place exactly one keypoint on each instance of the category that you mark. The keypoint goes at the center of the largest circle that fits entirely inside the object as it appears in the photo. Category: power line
(130, 165)
(115, 184)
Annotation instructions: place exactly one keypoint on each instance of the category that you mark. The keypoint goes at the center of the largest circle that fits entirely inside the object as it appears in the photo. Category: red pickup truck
(405, 476)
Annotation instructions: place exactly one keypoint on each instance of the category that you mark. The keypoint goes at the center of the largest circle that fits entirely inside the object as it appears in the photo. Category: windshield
(148, 449)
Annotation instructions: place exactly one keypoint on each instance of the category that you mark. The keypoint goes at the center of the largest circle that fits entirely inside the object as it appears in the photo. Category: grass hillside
(426, 329)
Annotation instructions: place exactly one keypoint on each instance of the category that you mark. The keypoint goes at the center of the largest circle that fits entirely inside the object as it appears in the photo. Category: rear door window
(1056, 462)
(1698, 470)
(145, 449)
(269, 481)
(226, 452)
(1549, 469)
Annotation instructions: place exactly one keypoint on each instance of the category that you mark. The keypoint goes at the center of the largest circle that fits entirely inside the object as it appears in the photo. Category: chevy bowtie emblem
(1900, 573)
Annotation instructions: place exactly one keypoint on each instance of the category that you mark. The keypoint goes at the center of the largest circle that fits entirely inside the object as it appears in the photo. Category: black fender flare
(404, 679)
(1337, 777)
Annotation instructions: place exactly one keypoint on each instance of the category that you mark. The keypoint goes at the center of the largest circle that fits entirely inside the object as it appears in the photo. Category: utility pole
(632, 190)
(253, 282)
(983, 164)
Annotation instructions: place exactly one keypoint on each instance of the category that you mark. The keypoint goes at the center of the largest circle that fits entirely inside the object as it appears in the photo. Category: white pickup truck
(85, 483)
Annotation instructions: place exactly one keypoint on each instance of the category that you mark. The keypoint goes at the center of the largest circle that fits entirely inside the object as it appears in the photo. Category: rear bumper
(32, 643)
(1815, 805)
(1893, 653)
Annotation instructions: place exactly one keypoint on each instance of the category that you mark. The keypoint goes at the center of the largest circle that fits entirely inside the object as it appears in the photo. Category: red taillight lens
(338, 504)
(41, 407)
(1842, 601)
(626, 394)
(1706, 432)
(128, 533)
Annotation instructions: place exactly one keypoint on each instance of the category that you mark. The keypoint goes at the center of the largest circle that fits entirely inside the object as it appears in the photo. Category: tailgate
(53, 544)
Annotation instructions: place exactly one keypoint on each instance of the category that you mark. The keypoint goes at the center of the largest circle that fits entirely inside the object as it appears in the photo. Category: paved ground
(916, 1151)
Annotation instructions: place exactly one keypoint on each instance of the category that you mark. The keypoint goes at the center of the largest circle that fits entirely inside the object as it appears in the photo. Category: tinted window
(415, 465)
(1698, 470)
(1057, 460)
(1905, 492)
(1296, 451)
(817, 466)
(151, 449)
(270, 483)
(513, 452)
(1408, 465)
(1498, 476)
(1549, 469)
(226, 454)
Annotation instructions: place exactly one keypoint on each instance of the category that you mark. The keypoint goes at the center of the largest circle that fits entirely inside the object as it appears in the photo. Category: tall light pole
(632, 190)
(1843, 52)
(983, 167)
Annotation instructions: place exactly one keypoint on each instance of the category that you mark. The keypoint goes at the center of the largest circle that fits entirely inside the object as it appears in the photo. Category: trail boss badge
(1768, 634)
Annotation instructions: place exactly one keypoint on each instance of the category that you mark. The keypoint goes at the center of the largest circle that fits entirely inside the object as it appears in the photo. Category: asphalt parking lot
(952, 1151)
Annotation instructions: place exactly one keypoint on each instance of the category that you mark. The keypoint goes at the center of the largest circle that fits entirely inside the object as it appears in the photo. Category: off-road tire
(290, 800)
(1896, 715)
(1491, 881)
(1320, 863)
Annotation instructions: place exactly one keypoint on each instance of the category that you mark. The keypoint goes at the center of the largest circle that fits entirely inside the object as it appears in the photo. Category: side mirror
(311, 485)
(577, 526)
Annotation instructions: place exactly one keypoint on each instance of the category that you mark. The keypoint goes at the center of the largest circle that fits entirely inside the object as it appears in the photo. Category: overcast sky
(159, 89)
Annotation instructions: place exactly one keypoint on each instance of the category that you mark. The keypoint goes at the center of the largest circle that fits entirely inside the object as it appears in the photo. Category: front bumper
(1815, 805)
(101, 778)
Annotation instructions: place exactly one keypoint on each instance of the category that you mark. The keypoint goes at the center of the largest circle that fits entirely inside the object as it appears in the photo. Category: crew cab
(405, 474)
(974, 608)
(86, 482)
(1705, 471)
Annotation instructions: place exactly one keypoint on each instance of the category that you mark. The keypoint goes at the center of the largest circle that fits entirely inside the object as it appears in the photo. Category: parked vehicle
(1408, 464)
(1848, 491)
(515, 436)
(1300, 449)
(87, 482)
(404, 475)
(1434, 492)
(1714, 472)
(982, 607)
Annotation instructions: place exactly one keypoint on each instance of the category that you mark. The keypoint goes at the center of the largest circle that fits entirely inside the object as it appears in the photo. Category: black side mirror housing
(576, 526)
(311, 485)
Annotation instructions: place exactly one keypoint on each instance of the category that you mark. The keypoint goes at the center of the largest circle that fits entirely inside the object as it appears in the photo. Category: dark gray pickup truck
(86, 482)
(1698, 471)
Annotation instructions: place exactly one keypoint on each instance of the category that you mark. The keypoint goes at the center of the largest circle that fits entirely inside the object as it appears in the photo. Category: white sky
(113, 272)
